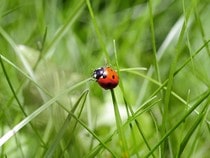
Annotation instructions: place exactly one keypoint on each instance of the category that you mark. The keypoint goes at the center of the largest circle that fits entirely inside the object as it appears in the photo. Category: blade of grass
(55, 143)
(133, 69)
(23, 60)
(171, 37)
(128, 107)
(190, 132)
(94, 152)
(157, 69)
(193, 56)
(204, 96)
(102, 143)
(165, 120)
(200, 130)
(128, 121)
(18, 101)
(163, 85)
(125, 152)
(198, 20)
(30, 79)
(98, 31)
(41, 47)
(33, 115)
(49, 50)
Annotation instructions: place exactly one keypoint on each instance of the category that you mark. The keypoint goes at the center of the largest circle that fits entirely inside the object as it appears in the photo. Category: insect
(106, 77)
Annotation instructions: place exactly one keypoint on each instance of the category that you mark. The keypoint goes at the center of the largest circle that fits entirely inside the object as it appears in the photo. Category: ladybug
(106, 77)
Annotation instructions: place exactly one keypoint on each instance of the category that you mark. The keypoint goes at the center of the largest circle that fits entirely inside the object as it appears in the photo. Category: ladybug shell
(106, 77)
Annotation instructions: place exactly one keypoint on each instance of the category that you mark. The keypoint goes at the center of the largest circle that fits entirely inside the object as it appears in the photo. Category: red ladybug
(106, 77)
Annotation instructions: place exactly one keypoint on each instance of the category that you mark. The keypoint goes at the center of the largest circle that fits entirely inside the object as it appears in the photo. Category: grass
(50, 105)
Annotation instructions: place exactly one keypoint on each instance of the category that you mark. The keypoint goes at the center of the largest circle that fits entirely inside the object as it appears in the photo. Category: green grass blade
(49, 50)
(102, 142)
(30, 117)
(157, 69)
(204, 96)
(125, 152)
(101, 41)
(55, 143)
(17, 99)
(189, 134)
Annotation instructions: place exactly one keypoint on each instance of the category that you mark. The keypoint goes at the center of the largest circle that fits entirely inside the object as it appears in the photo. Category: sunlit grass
(50, 105)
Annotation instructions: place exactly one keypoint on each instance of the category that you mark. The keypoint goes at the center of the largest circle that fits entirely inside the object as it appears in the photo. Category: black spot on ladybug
(104, 76)
(113, 76)
(109, 84)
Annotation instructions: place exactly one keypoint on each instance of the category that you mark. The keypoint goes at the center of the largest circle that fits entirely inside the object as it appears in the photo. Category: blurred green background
(59, 43)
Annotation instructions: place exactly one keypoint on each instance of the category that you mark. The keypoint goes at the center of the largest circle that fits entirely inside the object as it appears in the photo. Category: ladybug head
(98, 73)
